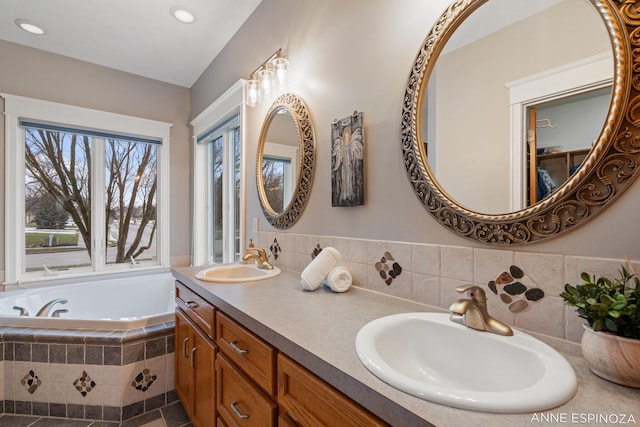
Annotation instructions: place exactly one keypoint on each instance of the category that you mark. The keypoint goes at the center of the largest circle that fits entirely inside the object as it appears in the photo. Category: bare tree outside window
(58, 169)
(131, 198)
(273, 179)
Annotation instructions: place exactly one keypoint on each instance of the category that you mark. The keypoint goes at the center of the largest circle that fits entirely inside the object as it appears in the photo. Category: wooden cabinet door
(202, 356)
(194, 372)
(183, 371)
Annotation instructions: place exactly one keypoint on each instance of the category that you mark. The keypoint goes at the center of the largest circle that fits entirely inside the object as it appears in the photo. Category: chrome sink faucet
(472, 312)
(259, 255)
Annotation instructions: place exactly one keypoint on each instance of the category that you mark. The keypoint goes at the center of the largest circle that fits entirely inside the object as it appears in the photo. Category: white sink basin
(236, 273)
(429, 356)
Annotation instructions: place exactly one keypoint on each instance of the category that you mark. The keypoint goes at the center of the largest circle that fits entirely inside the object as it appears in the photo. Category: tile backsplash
(522, 287)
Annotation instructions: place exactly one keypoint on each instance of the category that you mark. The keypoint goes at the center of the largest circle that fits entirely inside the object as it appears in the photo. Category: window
(224, 178)
(89, 191)
(278, 182)
(218, 162)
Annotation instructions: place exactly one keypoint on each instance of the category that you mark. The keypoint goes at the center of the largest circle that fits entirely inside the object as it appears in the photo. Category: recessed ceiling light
(30, 27)
(182, 14)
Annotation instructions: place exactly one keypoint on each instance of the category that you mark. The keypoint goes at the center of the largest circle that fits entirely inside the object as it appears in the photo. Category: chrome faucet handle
(23, 311)
(476, 293)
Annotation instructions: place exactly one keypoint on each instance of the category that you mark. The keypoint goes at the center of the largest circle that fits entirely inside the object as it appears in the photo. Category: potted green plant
(611, 341)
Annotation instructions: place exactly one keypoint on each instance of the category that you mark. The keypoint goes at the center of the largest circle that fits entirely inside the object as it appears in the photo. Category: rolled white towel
(313, 274)
(339, 279)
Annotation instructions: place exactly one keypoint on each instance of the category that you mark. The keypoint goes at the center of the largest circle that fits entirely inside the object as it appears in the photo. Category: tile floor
(169, 416)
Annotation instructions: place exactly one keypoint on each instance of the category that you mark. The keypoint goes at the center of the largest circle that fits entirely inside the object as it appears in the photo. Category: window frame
(227, 105)
(226, 133)
(19, 108)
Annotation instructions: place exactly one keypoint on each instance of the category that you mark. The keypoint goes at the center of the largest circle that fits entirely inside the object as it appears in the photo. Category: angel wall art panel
(347, 161)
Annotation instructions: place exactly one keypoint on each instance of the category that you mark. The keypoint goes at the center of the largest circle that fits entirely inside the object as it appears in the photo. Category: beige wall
(38, 74)
(356, 55)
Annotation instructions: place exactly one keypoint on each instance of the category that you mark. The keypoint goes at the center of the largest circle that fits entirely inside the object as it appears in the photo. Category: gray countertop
(318, 329)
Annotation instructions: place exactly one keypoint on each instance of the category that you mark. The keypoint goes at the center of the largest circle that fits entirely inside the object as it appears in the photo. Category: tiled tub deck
(86, 374)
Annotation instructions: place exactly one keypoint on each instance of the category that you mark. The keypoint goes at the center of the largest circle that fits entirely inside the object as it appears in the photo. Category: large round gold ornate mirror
(475, 124)
(285, 162)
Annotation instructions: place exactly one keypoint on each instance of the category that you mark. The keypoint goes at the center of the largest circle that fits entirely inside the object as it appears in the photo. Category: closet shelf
(563, 154)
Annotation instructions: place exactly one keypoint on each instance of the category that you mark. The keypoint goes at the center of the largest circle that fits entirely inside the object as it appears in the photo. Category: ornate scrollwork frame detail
(610, 168)
(307, 159)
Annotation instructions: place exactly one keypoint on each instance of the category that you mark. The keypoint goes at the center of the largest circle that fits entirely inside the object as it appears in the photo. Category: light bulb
(253, 92)
(280, 65)
(266, 82)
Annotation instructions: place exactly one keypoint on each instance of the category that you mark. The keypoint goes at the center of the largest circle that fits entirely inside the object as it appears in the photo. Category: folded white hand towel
(339, 279)
(313, 274)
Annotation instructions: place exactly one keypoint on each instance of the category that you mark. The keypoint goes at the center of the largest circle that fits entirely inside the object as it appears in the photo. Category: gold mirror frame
(610, 168)
(307, 159)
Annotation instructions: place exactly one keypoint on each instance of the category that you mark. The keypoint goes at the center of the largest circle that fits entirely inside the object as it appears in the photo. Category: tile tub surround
(171, 415)
(86, 374)
(318, 329)
(526, 297)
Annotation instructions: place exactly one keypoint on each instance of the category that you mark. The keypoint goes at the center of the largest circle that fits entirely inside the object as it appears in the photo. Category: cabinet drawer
(255, 357)
(307, 400)
(239, 401)
(196, 308)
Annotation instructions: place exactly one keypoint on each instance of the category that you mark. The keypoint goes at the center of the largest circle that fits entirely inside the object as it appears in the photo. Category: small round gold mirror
(285, 161)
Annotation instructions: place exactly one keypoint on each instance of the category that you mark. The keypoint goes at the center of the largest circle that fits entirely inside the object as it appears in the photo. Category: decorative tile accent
(275, 249)
(316, 251)
(84, 384)
(143, 380)
(31, 382)
(511, 287)
(387, 268)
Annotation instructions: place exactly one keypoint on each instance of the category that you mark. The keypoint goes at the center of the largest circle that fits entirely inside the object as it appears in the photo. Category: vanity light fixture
(271, 74)
(30, 27)
(182, 14)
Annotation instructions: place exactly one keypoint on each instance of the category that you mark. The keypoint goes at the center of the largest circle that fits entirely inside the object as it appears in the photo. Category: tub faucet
(259, 255)
(472, 312)
(44, 311)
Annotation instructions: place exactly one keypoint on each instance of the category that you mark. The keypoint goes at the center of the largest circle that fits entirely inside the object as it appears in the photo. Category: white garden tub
(112, 304)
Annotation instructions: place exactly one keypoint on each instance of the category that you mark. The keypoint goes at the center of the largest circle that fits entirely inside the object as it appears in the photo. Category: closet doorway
(556, 116)
(560, 134)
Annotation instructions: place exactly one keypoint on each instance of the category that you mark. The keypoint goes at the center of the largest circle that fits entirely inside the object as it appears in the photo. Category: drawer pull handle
(192, 305)
(185, 342)
(193, 357)
(237, 349)
(237, 412)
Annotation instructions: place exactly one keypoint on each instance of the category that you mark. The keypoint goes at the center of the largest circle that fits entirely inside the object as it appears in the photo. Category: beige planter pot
(611, 357)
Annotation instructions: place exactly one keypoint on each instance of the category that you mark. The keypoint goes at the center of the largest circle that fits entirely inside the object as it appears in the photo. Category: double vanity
(293, 354)
(252, 345)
